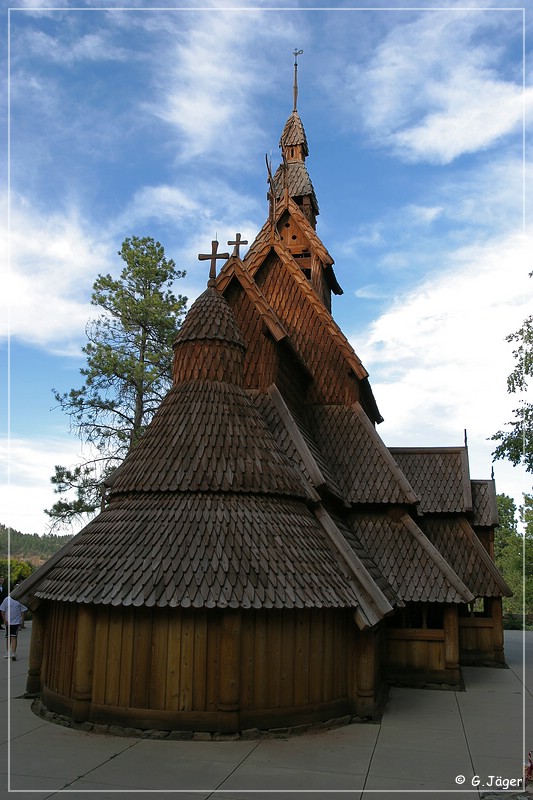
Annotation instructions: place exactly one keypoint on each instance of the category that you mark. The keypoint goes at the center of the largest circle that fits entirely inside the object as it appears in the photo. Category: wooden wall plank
(142, 642)
(260, 693)
(113, 661)
(302, 655)
(247, 658)
(172, 699)
(287, 661)
(186, 661)
(213, 662)
(159, 659)
(329, 657)
(126, 657)
(199, 689)
(316, 656)
(100, 654)
(274, 658)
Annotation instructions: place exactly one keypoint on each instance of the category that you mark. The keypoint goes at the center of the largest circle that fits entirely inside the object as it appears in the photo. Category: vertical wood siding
(420, 649)
(60, 647)
(476, 638)
(170, 660)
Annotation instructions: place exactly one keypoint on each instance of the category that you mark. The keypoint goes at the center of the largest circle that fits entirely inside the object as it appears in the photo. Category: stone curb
(251, 734)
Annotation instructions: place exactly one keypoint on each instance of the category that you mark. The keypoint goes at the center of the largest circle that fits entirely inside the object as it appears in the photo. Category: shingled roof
(295, 176)
(202, 551)
(485, 506)
(409, 562)
(293, 133)
(439, 476)
(460, 546)
(362, 465)
(208, 510)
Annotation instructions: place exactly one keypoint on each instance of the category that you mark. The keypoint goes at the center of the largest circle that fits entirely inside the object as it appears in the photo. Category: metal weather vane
(296, 53)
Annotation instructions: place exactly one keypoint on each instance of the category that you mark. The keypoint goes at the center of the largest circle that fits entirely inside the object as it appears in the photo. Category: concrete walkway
(425, 740)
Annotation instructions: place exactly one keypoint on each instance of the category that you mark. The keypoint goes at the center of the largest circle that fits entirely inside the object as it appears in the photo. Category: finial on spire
(296, 53)
(213, 255)
(466, 439)
(271, 193)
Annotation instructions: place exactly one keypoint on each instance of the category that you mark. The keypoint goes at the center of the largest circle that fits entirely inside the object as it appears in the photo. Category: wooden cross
(213, 255)
(237, 244)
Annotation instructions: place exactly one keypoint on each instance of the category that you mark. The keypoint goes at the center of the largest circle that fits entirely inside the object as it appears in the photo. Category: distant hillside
(30, 546)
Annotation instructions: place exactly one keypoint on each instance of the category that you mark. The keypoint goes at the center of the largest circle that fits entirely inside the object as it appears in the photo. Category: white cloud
(25, 489)
(423, 215)
(438, 358)
(163, 203)
(432, 89)
(212, 80)
(371, 291)
(53, 263)
(465, 121)
(99, 46)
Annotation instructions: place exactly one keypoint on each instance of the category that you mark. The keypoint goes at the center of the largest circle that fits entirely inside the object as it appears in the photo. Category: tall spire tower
(292, 175)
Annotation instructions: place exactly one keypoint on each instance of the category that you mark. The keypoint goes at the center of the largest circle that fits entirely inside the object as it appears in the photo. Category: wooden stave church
(263, 559)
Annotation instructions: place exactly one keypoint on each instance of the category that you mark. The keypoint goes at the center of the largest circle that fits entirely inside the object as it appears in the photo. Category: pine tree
(128, 371)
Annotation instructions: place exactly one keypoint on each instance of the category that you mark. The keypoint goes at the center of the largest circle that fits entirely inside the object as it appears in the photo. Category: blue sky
(154, 121)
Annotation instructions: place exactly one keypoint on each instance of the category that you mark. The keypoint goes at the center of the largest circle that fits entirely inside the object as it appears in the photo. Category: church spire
(293, 173)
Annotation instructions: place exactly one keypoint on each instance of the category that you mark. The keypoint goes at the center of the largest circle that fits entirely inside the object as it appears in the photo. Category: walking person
(3, 594)
(12, 615)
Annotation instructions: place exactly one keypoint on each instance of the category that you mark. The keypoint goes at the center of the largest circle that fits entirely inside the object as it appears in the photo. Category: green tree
(516, 444)
(513, 553)
(15, 570)
(526, 515)
(128, 371)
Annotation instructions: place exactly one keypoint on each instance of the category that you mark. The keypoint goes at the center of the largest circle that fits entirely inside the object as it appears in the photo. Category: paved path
(426, 738)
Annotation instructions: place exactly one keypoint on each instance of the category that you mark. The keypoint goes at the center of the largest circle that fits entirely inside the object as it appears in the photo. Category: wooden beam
(298, 440)
(451, 642)
(83, 664)
(33, 683)
(230, 669)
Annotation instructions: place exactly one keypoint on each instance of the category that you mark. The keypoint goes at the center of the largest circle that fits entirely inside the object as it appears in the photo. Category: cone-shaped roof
(210, 318)
(208, 437)
(294, 134)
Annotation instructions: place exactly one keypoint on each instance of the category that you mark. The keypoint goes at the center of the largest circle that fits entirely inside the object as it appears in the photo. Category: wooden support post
(229, 672)
(451, 643)
(366, 673)
(33, 683)
(497, 629)
(83, 663)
